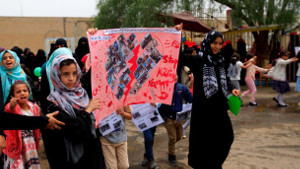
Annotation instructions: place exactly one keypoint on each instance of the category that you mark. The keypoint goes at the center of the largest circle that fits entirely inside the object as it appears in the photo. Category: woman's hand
(94, 104)
(179, 27)
(236, 92)
(53, 123)
(92, 31)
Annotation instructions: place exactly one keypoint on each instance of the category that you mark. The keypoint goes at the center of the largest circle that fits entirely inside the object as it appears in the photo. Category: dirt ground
(266, 137)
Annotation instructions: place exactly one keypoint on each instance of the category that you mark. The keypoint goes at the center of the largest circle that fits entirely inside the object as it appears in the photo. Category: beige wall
(32, 31)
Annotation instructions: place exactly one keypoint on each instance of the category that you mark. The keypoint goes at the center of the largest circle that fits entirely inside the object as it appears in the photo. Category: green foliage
(263, 12)
(131, 13)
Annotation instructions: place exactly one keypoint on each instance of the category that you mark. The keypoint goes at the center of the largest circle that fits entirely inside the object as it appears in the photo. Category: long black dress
(211, 133)
(77, 130)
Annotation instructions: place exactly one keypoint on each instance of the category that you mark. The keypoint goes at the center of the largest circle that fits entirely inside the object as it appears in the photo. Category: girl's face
(21, 92)
(68, 75)
(216, 45)
(286, 56)
(8, 60)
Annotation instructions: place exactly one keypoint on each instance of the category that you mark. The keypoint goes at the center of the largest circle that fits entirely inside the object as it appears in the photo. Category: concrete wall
(32, 31)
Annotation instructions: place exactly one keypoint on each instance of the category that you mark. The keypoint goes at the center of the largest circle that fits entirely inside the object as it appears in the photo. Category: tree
(141, 13)
(261, 12)
(131, 13)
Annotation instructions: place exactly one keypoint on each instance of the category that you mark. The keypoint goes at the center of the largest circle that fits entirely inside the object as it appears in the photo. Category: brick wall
(32, 31)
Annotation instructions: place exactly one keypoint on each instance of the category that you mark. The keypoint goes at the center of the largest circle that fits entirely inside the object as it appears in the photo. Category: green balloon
(37, 71)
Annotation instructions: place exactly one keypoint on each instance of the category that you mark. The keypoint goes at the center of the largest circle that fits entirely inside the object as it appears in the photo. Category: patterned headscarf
(206, 49)
(66, 98)
(9, 76)
(211, 60)
(56, 53)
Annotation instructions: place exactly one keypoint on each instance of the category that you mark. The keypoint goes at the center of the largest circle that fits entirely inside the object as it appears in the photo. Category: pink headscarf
(63, 97)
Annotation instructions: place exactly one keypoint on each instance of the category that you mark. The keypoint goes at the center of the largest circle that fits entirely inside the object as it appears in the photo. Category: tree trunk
(262, 46)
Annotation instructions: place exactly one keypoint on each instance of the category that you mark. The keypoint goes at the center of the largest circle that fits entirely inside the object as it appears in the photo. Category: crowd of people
(59, 105)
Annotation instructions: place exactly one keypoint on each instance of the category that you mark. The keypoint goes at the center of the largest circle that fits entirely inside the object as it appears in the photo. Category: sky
(49, 8)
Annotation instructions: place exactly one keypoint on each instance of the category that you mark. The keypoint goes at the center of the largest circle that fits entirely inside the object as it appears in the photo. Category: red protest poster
(133, 65)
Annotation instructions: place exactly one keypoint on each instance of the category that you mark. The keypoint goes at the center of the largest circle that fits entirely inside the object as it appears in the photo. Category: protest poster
(110, 123)
(185, 113)
(145, 116)
(133, 66)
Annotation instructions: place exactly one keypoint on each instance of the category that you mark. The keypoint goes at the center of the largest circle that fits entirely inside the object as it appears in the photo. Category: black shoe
(274, 98)
(282, 105)
(145, 162)
(172, 159)
(153, 165)
(253, 104)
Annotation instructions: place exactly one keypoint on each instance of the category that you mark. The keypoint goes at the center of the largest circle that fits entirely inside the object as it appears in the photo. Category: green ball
(37, 71)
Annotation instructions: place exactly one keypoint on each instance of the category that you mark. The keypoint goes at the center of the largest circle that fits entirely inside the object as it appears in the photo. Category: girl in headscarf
(10, 71)
(211, 133)
(46, 84)
(76, 145)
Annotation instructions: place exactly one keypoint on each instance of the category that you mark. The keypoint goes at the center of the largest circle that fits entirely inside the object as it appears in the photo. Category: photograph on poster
(152, 45)
(142, 126)
(104, 128)
(113, 82)
(135, 88)
(142, 79)
(136, 115)
(154, 119)
(156, 56)
(132, 42)
(147, 38)
(119, 93)
(139, 71)
(118, 124)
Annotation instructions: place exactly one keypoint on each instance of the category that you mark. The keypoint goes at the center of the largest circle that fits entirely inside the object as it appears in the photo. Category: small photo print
(125, 74)
(147, 38)
(150, 64)
(132, 42)
(139, 71)
(135, 88)
(118, 124)
(121, 40)
(119, 66)
(119, 93)
(143, 78)
(104, 128)
(112, 81)
(124, 82)
(136, 115)
(152, 45)
(126, 53)
(154, 119)
(142, 125)
(109, 63)
(156, 56)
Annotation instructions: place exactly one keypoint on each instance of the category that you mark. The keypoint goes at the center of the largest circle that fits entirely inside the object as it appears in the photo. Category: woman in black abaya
(211, 133)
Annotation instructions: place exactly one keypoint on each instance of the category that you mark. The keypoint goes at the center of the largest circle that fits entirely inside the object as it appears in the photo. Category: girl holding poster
(77, 144)
(209, 119)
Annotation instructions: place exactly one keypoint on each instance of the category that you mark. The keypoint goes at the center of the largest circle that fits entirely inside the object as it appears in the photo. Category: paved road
(266, 137)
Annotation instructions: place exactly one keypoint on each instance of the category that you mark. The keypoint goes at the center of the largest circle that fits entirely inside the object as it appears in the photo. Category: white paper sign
(110, 123)
(145, 116)
(185, 112)
(297, 49)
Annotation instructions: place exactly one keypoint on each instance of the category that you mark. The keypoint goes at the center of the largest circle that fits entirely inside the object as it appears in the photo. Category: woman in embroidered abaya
(211, 133)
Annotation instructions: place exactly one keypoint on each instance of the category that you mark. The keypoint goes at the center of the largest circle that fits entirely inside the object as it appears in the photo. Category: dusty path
(266, 137)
